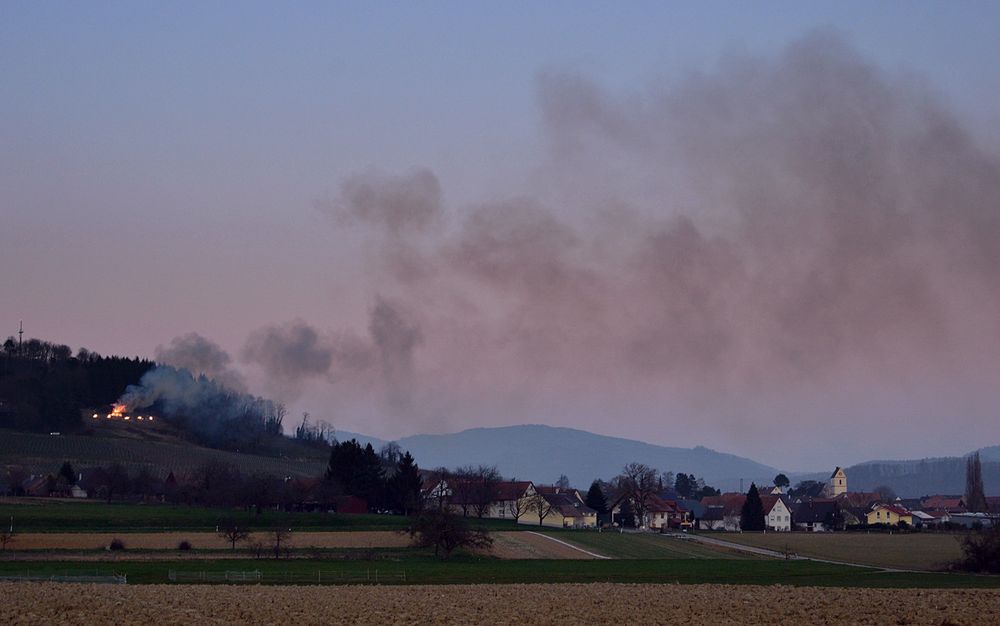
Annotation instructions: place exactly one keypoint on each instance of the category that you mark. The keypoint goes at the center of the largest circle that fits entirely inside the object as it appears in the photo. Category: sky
(766, 228)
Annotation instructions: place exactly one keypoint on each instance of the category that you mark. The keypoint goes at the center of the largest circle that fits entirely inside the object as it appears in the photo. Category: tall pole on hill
(20, 335)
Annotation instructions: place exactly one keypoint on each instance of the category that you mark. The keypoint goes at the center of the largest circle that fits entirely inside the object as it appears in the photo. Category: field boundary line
(569, 545)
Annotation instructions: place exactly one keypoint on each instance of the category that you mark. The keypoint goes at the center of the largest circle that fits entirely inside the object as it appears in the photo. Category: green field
(917, 551)
(89, 516)
(467, 569)
(646, 546)
(40, 453)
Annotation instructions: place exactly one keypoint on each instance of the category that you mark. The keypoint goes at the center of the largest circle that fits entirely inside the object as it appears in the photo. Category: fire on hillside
(118, 413)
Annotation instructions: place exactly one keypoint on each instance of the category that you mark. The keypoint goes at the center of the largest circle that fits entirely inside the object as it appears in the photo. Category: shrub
(184, 546)
(981, 551)
(116, 544)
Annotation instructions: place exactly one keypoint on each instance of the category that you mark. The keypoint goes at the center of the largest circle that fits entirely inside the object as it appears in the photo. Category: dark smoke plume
(201, 356)
(211, 413)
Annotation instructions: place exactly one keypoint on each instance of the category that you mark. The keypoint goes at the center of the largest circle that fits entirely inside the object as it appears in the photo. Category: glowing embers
(118, 413)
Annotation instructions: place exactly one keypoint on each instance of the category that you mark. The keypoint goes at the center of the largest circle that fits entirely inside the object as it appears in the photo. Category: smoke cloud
(807, 222)
(201, 356)
(805, 236)
(211, 413)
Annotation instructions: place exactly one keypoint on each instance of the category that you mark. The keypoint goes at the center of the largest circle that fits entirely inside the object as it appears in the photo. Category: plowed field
(53, 603)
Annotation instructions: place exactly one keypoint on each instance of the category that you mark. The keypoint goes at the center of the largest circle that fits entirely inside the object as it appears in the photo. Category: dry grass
(51, 603)
(201, 541)
(918, 551)
(523, 545)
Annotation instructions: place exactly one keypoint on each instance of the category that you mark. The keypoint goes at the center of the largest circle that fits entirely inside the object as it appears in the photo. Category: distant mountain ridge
(541, 453)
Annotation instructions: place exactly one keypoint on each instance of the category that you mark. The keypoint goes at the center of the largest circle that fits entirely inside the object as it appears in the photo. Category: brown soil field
(507, 545)
(55, 603)
(523, 545)
(202, 541)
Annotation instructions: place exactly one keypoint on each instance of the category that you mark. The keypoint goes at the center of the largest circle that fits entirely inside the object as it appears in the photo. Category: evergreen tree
(683, 485)
(596, 500)
(752, 515)
(975, 496)
(405, 486)
(67, 472)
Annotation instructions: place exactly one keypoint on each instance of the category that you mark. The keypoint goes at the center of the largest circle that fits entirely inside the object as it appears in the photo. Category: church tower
(837, 483)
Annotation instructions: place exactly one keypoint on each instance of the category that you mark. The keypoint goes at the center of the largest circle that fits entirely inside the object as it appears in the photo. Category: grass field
(45, 515)
(646, 546)
(918, 551)
(424, 569)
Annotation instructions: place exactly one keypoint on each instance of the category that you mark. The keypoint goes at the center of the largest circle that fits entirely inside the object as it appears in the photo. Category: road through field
(55, 603)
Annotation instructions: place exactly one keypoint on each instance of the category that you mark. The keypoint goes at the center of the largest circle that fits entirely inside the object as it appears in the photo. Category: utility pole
(20, 335)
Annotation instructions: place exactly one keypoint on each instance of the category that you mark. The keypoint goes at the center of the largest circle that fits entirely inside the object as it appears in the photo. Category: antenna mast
(20, 335)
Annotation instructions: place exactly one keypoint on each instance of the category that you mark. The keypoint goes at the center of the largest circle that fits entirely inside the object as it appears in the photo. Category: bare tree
(7, 535)
(639, 483)
(446, 532)
(540, 506)
(461, 483)
(486, 489)
(233, 532)
(518, 507)
(279, 538)
(563, 482)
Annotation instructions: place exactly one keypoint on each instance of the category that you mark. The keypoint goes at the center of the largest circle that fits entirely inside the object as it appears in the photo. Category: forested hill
(44, 386)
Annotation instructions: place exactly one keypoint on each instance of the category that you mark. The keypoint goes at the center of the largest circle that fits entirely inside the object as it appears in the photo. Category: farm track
(55, 603)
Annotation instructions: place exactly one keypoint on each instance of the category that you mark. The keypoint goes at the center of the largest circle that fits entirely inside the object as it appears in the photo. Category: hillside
(42, 453)
(915, 478)
(542, 453)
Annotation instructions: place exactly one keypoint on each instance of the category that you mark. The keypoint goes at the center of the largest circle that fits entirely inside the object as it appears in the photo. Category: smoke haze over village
(790, 248)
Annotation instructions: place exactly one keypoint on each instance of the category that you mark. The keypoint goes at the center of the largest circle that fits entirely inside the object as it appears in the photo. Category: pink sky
(789, 253)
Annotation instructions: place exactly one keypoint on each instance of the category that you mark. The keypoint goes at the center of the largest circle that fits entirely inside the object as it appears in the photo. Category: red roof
(898, 510)
(512, 489)
(944, 503)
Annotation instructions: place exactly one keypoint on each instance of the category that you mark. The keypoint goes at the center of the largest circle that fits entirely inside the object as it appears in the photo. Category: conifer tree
(975, 496)
(752, 515)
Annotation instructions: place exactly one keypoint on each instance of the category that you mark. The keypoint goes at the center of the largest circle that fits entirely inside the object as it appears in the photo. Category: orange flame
(117, 410)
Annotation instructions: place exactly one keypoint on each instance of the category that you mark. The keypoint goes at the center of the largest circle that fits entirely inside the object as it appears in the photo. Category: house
(889, 514)
(777, 514)
(663, 514)
(837, 484)
(974, 520)
(815, 515)
(37, 485)
(921, 518)
(944, 504)
(513, 500)
(565, 511)
(861, 500)
(722, 512)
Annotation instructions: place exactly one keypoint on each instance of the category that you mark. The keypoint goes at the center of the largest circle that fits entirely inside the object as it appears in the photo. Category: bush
(116, 544)
(184, 546)
(981, 551)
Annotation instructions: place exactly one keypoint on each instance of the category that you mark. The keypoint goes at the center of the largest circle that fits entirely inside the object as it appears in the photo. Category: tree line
(44, 386)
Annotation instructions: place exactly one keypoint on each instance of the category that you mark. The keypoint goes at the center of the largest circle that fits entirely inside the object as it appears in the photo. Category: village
(836, 508)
